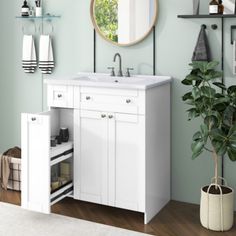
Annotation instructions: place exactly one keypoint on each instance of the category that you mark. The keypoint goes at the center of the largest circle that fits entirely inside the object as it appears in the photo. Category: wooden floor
(176, 219)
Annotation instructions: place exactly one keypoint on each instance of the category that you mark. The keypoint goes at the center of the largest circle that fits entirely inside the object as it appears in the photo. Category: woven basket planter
(217, 210)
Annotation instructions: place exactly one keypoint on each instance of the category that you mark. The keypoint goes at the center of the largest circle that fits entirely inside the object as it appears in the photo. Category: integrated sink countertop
(104, 80)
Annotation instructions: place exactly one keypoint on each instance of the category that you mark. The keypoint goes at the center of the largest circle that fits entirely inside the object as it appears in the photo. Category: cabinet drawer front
(60, 96)
(124, 101)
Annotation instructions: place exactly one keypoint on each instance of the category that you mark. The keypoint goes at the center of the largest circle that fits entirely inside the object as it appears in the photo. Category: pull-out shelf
(61, 152)
(47, 172)
(61, 193)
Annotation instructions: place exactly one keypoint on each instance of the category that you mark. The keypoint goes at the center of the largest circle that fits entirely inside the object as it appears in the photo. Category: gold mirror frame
(92, 15)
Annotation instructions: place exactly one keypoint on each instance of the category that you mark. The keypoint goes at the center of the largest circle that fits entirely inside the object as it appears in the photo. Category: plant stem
(215, 157)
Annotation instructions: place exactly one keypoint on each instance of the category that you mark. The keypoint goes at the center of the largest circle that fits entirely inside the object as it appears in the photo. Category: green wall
(73, 38)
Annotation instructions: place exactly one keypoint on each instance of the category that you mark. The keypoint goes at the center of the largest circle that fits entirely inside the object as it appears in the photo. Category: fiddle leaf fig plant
(215, 104)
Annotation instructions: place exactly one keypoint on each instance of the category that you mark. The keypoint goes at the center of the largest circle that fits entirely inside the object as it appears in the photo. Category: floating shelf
(207, 16)
(45, 17)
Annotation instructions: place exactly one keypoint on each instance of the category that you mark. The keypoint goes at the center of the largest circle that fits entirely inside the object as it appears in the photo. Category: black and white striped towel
(46, 60)
(29, 62)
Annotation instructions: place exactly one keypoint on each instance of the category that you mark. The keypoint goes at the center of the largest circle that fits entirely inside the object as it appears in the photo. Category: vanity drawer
(60, 96)
(112, 100)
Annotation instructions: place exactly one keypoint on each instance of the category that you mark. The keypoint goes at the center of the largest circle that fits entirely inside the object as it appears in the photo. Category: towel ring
(41, 29)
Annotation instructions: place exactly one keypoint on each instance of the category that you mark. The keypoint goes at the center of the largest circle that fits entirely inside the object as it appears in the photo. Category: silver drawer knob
(33, 119)
(110, 116)
(59, 95)
(88, 98)
(128, 101)
(103, 116)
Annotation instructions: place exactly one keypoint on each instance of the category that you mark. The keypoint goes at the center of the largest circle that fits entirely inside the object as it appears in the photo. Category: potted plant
(215, 105)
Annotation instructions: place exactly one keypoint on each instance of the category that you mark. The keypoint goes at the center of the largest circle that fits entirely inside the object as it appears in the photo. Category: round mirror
(124, 22)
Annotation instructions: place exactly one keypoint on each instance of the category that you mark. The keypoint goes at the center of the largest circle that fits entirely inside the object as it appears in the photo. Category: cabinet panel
(127, 161)
(93, 157)
(35, 162)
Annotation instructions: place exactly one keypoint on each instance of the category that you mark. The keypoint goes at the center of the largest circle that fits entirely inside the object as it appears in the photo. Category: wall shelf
(206, 16)
(45, 17)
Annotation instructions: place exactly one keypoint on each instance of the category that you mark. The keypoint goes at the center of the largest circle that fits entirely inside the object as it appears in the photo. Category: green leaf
(232, 154)
(232, 129)
(219, 95)
(196, 93)
(186, 82)
(197, 146)
(192, 77)
(231, 89)
(228, 115)
(212, 121)
(192, 113)
(204, 129)
(212, 75)
(187, 96)
(201, 65)
(222, 100)
(220, 85)
(197, 136)
(218, 135)
(195, 155)
(211, 65)
(221, 148)
(208, 91)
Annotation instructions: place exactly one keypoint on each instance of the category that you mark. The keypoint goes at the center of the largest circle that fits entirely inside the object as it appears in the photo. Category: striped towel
(46, 60)
(29, 62)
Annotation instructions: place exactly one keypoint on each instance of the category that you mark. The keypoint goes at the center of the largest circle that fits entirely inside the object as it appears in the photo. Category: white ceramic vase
(196, 5)
(217, 210)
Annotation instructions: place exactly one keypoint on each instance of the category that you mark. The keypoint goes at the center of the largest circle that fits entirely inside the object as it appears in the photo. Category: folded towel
(46, 59)
(234, 58)
(202, 49)
(4, 170)
(29, 62)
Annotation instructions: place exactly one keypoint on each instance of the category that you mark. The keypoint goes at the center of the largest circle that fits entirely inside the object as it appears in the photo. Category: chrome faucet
(120, 74)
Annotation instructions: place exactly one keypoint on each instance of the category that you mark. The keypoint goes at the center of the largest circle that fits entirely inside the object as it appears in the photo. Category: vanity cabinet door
(35, 143)
(127, 161)
(91, 162)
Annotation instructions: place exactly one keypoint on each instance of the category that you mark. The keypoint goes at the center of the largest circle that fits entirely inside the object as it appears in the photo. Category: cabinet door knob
(103, 116)
(110, 116)
(59, 95)
(128, 101)
(33, 119)
(88, 98)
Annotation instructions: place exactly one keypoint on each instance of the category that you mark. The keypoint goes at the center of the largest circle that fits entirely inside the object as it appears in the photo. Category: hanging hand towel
(202, 49)
(29, 62)
(234, 58)
(46, 60)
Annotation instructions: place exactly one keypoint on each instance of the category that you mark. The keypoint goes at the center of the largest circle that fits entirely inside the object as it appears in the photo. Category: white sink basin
(137, 81)
(110, 79)
(105, 80)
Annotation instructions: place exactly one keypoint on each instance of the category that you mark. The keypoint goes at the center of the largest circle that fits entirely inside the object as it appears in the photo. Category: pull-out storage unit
(46, 171)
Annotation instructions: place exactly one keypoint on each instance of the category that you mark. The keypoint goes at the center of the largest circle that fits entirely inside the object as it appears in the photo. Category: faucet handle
(128, 72)
(112, 70)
